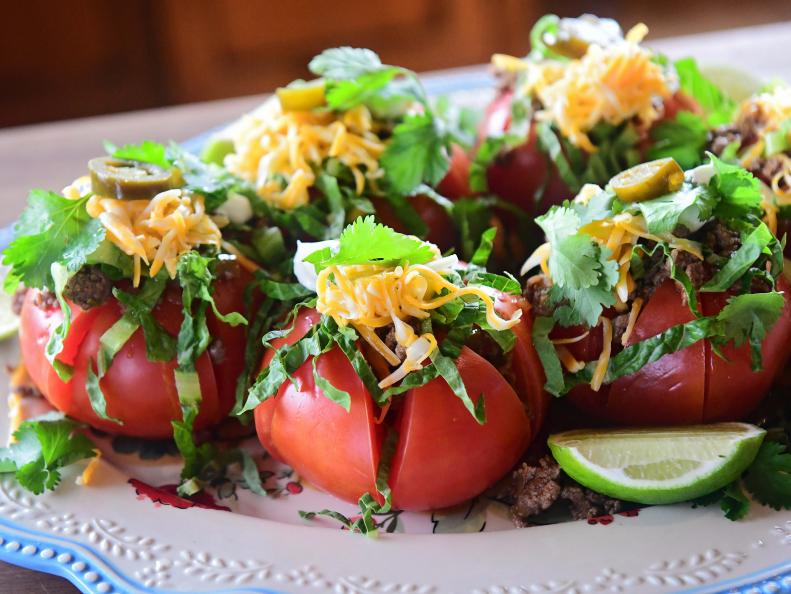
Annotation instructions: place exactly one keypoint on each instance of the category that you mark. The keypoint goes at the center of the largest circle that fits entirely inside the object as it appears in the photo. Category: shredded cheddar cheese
(86, 477)
(368, 297)
(637, 305)
(278, 151)
(610, 84)
(155, 232)
(16, 416)
(600, 371)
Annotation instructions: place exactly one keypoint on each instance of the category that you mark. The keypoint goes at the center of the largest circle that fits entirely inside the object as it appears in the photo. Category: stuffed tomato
(660, 298)
(409, 371)
(758, 139)
(131, 314)
(361, 139)
(582, 106)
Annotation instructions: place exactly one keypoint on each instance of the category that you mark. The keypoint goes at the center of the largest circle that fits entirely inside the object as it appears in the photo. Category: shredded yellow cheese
(16, 416)
(610, 84)
(155, 232)
(568, 360)
(619, 234)
(637, 305)
(368, 297)
(277, 151)
(86, 477)
(603, 363)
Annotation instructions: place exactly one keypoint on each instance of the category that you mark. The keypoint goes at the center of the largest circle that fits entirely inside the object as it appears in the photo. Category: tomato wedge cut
(670, 391)
(444, 456)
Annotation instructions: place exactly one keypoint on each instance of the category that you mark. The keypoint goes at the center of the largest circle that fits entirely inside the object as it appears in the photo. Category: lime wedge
(653, 466)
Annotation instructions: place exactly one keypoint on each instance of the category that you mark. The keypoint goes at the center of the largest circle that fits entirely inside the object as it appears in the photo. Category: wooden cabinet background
(82, 57)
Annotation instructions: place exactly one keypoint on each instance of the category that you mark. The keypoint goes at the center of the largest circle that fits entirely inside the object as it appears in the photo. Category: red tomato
(516, 176)
(441, 230)
(443, 456)
(693, 385)
(456, 183)
(139, 392)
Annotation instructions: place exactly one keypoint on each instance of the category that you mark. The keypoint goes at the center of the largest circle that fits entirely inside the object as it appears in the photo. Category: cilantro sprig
(42, 448)
(51, 230)
(367, 242)
(418, 150)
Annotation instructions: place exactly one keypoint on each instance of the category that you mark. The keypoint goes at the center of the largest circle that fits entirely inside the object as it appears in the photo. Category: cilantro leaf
(346, 94)
(749, 317)
(147, 152)
(739, 190)
(416, 153)
(581, 269)
(368, 242)
(51, 230)
(344, 63)
(43, 447)
(734, 502)
(207, 179)
(768, 478)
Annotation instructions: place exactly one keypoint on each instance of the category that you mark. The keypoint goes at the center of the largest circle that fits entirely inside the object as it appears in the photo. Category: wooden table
(51, 155)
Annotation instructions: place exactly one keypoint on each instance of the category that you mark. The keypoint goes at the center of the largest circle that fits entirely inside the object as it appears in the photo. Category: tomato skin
(517, 175)
(456, 183)
(529, 374)
(693, 385)
(139, 392)
(441, 229)
(443, 456)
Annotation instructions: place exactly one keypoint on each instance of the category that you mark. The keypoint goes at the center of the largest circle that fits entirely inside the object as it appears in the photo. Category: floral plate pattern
(128, 532)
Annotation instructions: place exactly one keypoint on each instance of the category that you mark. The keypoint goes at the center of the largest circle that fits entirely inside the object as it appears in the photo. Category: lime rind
(701, 460)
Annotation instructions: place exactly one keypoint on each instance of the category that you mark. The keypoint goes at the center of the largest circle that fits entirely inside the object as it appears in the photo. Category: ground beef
(392, 344)
(722, 137)
(720, 239)
(46, 299)
(537, 294)
(584, 503)
(19, 299)
(535, 488)
(745, 131)
(698, 271)
(656, 273)
(619, 324)
(89, 288)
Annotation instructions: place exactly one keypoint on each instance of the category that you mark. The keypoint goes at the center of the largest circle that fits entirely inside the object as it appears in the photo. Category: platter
(128, 531)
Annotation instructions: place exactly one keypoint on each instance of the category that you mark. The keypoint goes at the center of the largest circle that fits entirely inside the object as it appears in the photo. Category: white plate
(123, 533)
